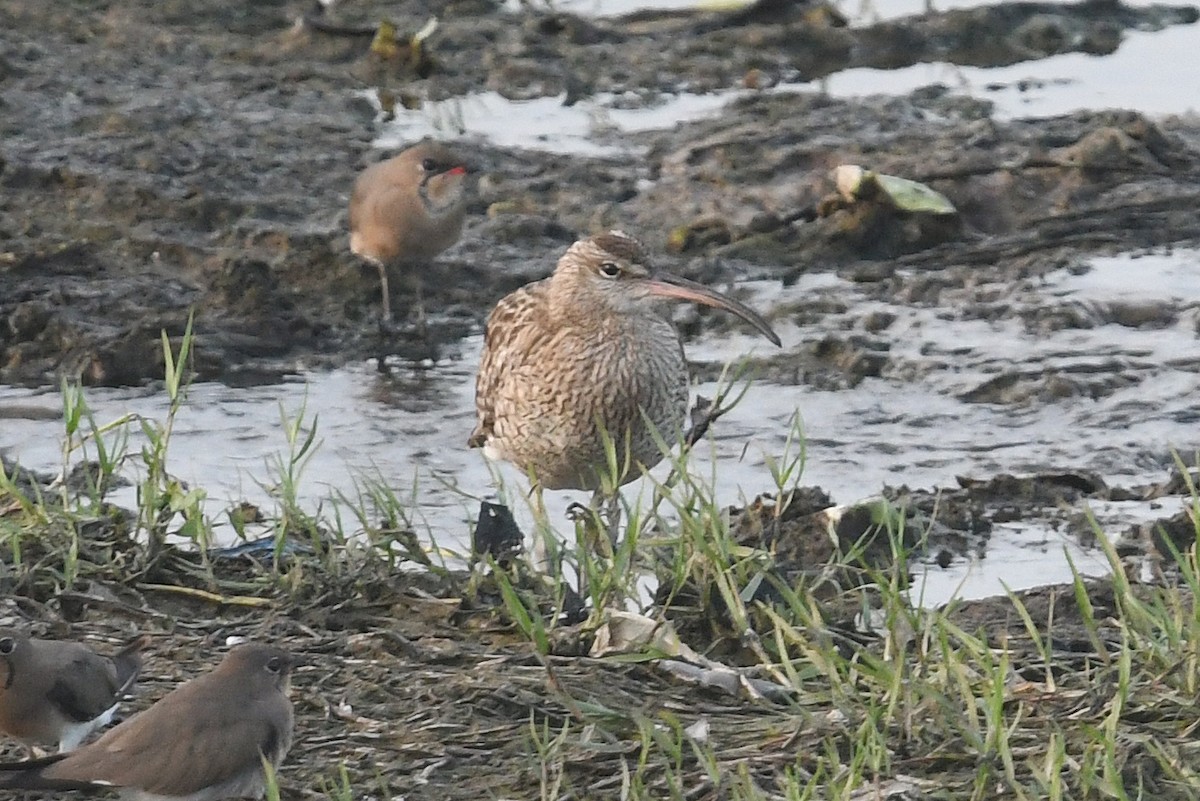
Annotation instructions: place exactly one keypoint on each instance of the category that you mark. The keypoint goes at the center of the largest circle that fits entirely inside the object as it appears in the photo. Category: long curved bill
(669, 285)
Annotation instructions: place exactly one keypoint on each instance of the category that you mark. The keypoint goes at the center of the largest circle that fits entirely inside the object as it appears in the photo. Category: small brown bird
(407, 210)
(55, 692)
(588, 350)
(203, 741)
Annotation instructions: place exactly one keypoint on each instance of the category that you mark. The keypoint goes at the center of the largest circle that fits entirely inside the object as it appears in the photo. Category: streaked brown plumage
(57, 692)
(408, 209)
(203, 741)
(587, 350)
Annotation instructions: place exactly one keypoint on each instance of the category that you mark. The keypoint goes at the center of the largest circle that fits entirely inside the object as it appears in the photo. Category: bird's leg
(588, 525)
(387, 328)
(597, 539)
(387, 292)
(594, 519)
(612, 514)
(542, 544)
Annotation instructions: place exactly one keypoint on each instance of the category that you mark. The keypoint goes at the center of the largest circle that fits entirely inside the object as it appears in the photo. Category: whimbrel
(585, 353)
(407, 210)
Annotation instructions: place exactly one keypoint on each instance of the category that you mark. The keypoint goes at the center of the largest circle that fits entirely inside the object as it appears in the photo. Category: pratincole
(57, 692)
(407, 210)
(207, 740)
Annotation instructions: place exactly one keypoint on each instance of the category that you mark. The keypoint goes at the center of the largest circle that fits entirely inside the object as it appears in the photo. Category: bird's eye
(7, 645)
(610, 269)
(274, 665)
(429, 165)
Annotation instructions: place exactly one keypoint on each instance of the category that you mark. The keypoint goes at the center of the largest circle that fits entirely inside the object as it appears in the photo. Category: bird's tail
(27, 775)
(128, 662)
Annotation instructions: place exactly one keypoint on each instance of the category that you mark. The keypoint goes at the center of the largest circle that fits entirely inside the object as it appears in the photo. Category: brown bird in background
(57, 692)
(407, 210)
(204, 741)
(588, 351)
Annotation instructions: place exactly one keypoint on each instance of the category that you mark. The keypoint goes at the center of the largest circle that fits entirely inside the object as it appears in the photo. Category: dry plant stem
(210, 597)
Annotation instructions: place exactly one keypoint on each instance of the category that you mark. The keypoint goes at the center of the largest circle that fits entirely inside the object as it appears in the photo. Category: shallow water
(1151, 72)
(1060, 84)
(859, 12)
(410, 431)
(591, 127)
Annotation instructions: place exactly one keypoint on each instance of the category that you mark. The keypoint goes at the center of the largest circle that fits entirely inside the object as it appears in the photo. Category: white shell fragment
(426, 30)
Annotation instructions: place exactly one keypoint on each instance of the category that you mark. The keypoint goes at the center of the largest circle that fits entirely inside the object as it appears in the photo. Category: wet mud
(419, 683)
(202, 160)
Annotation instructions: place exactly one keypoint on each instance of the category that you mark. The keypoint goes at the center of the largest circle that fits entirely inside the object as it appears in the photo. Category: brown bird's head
(437, 171)
(261, 666)
(612, 270)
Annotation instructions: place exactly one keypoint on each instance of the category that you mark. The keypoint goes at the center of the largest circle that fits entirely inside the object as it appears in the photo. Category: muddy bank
(420, 684)
(203, 159)
(838, 554)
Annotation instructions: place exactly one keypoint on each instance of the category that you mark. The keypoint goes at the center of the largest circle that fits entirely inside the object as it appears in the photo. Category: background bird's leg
(387, 293)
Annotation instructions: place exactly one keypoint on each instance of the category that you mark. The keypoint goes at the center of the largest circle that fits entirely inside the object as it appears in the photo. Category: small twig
(110, 604)
(704, 414)
(555, 686)
(410, 649)
(205, 595)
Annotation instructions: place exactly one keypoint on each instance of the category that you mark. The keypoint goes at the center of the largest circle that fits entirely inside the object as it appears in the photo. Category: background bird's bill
(669, 285)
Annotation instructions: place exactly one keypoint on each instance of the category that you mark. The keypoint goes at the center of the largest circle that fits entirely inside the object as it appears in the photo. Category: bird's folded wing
(513, 319)
(85, 690)
(174, 763)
